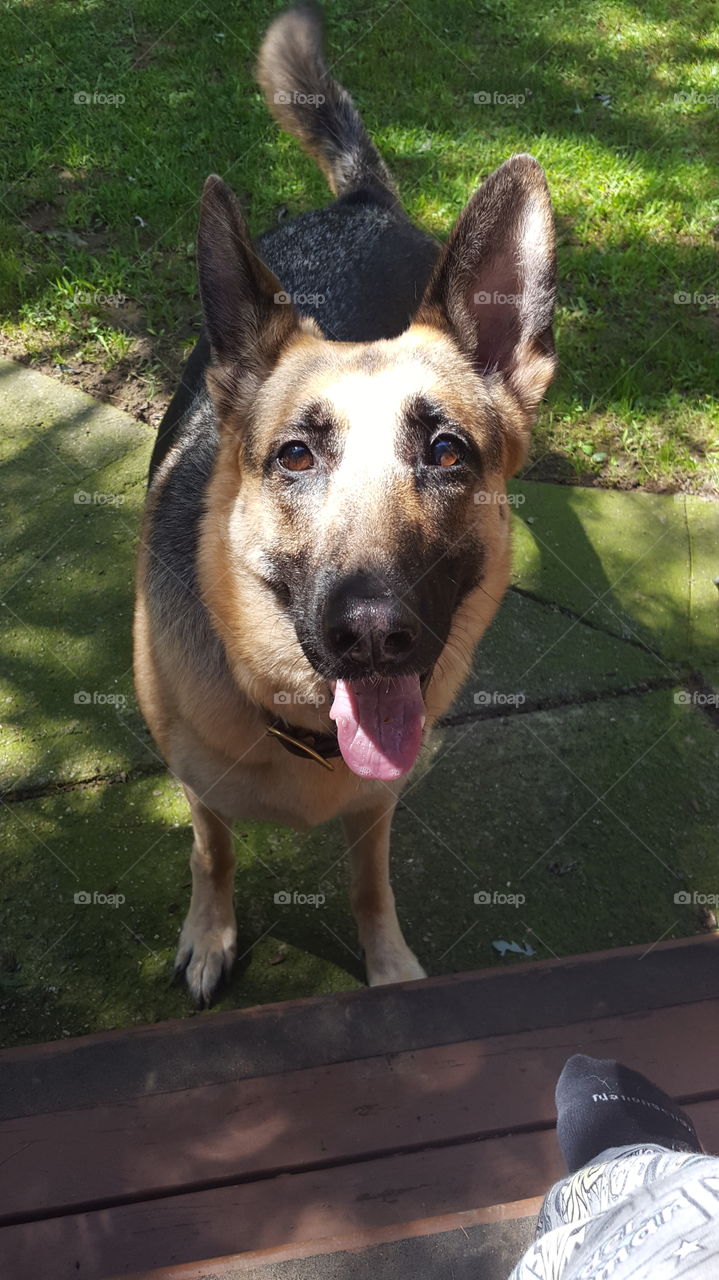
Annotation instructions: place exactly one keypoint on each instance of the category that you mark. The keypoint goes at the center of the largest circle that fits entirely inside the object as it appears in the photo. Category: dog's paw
(205, 954)
(394, 964)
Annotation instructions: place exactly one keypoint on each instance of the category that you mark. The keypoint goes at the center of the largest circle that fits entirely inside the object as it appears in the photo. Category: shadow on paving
(571, 786)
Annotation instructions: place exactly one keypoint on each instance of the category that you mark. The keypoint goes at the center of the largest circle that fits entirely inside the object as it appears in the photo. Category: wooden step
(308, 1136)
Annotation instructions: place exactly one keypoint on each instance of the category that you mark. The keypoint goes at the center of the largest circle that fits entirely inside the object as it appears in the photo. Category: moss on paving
(640, 565)
(598, 807)
(70, 965)
(508, 807)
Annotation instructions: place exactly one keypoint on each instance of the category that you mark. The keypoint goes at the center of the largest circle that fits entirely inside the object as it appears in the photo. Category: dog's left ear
(494, 284)
(248, 317)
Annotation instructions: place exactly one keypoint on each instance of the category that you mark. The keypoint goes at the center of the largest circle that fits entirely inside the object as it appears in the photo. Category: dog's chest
(265, 783)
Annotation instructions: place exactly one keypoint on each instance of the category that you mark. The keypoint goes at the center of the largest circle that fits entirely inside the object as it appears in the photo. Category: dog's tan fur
(214, 735)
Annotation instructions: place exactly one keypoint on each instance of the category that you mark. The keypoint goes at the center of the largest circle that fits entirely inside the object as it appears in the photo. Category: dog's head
(356, 534)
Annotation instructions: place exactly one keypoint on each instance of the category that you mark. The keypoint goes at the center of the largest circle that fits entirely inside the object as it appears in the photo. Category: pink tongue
(379, 725)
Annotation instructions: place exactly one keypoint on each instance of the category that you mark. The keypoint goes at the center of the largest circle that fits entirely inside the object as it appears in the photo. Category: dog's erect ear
(494, 284)
(247, 315)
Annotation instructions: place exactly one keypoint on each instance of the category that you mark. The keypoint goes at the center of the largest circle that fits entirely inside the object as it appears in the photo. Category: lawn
(116, 113)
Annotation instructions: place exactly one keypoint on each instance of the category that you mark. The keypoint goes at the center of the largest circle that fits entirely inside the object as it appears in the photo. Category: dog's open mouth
(379, 724)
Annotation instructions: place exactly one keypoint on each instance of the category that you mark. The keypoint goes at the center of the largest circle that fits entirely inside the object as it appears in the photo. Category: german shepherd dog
(325, 538)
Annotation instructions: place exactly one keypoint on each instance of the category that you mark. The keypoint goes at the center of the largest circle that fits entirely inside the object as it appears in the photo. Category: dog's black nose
(367, 626)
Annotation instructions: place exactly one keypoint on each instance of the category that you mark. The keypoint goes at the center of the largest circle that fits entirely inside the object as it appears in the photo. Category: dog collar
(321, 747)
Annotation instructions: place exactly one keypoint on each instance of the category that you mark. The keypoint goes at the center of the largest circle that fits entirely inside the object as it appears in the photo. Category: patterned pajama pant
(638, 1213)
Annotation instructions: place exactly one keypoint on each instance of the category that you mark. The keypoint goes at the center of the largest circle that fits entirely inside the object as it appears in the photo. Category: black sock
(602, 1104)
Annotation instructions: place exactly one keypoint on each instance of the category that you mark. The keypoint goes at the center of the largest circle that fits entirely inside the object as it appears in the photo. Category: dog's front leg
(387, 956)
(208, 942)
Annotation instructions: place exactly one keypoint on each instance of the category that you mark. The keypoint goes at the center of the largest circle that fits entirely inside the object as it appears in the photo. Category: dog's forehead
(368, 384)
(370, 405)
(365, 397)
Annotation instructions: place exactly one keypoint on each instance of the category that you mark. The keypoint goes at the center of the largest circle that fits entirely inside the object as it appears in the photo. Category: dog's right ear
(248, 316)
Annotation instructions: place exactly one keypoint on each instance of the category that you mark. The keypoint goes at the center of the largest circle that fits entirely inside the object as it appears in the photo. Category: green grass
(99, 202)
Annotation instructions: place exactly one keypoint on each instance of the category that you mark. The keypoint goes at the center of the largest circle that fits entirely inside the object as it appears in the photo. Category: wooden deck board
(219, 1047)
(295, 1143)
(160, 1145)
(272, 1213)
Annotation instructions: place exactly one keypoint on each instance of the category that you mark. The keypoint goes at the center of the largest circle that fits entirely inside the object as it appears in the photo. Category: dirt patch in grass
(141, 384)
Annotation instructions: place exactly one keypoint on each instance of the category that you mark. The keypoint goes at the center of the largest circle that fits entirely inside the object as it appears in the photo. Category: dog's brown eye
(445, 451)
(295, 457)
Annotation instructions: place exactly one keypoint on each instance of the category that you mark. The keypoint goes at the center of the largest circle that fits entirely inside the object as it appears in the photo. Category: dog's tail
(306, 101)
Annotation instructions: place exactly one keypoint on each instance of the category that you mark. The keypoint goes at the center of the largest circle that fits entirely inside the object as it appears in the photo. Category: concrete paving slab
(508, 807)
(620, 560)
(73, 484)
(97, 884)
(535, 654)
(67, 700)
(702, 519)
(576, 827)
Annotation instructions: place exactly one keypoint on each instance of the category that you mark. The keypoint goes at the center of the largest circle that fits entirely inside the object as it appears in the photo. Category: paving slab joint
(568, 612)
(533, 705)
(17, 795)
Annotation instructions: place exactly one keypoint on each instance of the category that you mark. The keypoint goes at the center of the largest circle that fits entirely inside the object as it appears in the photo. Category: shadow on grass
(625, 345)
